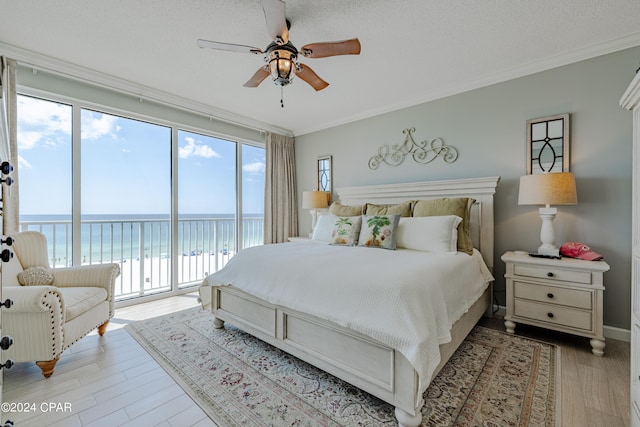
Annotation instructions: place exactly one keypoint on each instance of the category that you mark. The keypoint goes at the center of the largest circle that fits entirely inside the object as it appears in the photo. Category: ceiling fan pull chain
(282, 96)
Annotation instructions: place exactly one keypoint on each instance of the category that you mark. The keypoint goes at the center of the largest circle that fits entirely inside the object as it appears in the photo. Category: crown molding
(544, 64)
(53, 65)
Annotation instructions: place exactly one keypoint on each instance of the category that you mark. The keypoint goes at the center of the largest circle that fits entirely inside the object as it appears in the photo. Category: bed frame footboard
(346, 354)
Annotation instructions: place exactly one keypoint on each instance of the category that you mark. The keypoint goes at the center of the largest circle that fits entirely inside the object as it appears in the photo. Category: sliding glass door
(253, 181)
(45, 173)
(125, 198)
(207, 205)
(169, 205)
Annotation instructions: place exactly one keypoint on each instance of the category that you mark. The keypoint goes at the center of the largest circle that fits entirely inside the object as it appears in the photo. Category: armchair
(46, 320)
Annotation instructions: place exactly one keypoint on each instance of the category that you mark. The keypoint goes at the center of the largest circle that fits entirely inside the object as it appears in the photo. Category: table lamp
(552, 188)
(314, 200)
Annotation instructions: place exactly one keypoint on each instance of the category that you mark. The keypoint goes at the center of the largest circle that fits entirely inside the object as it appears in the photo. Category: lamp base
(542, 250)
(547, 234)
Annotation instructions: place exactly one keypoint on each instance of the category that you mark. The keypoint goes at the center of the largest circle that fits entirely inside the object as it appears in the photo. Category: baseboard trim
(617, 333)
(608, 331)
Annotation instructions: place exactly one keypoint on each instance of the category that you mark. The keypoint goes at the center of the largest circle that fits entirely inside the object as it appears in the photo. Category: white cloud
(97, 125)
(255, 167)
(194, 148)
(50, 123)
(42, 122)
(22, 163)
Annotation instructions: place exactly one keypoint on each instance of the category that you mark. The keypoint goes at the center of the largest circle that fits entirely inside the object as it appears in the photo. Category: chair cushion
(81, 300)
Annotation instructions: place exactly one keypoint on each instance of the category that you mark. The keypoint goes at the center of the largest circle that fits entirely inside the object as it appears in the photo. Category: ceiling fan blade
(228, 46)
(322, 50)
(274, 15)
(309, 76)
(258, 77)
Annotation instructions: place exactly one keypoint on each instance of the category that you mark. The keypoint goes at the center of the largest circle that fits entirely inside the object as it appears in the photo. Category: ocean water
(116, 238)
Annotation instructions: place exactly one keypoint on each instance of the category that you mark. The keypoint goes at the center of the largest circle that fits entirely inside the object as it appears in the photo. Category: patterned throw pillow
(346, 230)
(35, 276)
(379, 231)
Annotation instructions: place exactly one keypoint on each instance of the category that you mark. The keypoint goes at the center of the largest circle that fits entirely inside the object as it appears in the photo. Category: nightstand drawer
(553, 295)
(553, 314)
(552, 273)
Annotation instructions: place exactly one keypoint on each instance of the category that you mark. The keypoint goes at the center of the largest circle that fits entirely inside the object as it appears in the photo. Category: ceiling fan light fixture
(282, 70)
(282, 63)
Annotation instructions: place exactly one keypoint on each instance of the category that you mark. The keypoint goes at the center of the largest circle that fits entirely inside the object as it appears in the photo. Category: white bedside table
(297, 238)
(563, 295)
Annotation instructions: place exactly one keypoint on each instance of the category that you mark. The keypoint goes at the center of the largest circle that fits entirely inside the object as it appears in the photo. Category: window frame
(77, 104)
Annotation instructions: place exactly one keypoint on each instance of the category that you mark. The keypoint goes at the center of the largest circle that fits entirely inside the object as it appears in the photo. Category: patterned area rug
(493, 379)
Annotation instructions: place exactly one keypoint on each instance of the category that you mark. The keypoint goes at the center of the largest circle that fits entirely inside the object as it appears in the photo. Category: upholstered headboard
(481, 189)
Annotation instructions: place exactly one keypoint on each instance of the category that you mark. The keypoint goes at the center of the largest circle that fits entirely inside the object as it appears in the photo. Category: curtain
(280, 198)
(10, 200)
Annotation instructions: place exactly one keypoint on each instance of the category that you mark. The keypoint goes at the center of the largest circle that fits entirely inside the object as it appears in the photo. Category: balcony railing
(142, 247)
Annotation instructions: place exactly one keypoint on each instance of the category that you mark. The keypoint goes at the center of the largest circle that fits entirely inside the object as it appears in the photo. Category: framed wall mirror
(548, 144)
(324, 175)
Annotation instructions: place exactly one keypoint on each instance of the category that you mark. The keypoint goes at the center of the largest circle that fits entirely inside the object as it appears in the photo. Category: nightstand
(297, 238)
(560, 294)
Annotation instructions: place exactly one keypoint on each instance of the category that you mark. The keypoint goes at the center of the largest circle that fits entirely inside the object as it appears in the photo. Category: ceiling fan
(281, 55)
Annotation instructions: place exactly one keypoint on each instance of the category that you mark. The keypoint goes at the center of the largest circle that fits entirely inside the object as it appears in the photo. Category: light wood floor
(112, 381)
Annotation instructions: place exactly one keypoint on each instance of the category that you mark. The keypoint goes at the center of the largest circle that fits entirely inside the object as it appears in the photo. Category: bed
(394, 367)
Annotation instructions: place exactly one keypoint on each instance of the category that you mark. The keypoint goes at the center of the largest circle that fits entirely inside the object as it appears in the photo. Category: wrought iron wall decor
(548, 144)
(324, 174)
(421, 152)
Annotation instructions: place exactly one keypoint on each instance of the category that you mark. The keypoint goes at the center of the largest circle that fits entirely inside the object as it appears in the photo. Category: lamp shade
(314, 199)
(555, 188)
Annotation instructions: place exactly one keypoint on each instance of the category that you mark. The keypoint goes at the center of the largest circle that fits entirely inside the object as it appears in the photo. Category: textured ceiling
(413, 51)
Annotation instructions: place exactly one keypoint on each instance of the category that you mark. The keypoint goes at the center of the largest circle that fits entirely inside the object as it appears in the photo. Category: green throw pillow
(345, 210)
(402, 209)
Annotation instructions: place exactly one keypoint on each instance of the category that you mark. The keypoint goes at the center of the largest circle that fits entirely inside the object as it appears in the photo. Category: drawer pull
(550, 295)
(550, 315)
(549, 274)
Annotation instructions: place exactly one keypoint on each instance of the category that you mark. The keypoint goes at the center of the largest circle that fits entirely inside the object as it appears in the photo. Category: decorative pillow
(346, 230)
(460, 206)
(402, 209)
(35, 276)
(429, 233)
(345, 210)
(324, 228)
(379, 231)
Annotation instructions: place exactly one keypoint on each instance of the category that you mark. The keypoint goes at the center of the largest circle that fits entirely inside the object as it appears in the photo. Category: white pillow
(429, 233)
(324, 228)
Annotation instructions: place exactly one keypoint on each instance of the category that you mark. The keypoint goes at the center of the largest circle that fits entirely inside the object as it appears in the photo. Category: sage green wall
(487, 126)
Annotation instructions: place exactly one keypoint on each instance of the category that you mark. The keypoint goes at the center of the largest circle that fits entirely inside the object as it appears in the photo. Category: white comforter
(405, 299)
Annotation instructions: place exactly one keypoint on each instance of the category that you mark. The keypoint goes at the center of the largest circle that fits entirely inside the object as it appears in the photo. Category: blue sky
(126, 165)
